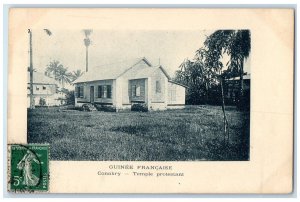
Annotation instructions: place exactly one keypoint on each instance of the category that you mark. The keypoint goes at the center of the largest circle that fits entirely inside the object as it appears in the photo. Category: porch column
(149, 93)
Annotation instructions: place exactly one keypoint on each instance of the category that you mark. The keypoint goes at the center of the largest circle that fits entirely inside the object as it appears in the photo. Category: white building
(45, 91)
(122, 84)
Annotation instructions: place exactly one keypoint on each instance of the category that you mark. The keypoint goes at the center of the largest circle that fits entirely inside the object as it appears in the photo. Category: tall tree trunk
(225, 122)
(241, 93)
(86, 59)
(206, 88)
(32, 105)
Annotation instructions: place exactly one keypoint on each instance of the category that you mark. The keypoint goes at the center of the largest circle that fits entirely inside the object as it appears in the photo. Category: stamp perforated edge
(9, 169)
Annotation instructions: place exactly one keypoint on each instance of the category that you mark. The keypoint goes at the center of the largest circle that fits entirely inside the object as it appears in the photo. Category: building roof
(245, 77)
(146, 72)
(40, 78)
(110, 71)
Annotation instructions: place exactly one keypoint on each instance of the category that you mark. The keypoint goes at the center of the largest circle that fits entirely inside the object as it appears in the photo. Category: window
(28, 87)
(158, 87)
(104, 91)
(37, 88)
(79, 91)
(44, 87)
(136, 91)
(173, 94)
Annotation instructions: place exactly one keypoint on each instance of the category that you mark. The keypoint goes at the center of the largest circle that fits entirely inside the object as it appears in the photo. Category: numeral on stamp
(29, 168)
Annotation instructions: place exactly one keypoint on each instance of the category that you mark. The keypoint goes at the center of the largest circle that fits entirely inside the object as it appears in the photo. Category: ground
(194, 133)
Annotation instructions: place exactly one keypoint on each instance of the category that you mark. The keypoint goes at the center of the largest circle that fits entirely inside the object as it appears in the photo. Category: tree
(58, 72)
(53, 68)
(64, 76)
(195, 75)
(237, 44)
(191, 75)
(87, 43)
(76, 74)
(239, 49)
(215, 44)
(31, 70)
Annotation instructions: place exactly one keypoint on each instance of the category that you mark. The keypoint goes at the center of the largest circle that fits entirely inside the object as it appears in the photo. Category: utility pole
(32, 105)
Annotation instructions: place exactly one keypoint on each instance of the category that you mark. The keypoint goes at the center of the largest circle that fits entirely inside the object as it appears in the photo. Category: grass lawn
(194, 133)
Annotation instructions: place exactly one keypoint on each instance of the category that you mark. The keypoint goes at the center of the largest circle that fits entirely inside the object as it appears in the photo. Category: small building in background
(46, 91)
(232, 88)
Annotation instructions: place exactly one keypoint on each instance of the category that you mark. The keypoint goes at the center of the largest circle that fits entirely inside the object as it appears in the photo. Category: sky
(169, 48)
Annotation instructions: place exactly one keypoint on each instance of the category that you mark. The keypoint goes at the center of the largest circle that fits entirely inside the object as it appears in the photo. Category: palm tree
(53, 69)
(31, 70)
(76, 74)
(87, 43)
(58, 72)
(63, 76)
(239, 50)
(236, 43)
(215, 44)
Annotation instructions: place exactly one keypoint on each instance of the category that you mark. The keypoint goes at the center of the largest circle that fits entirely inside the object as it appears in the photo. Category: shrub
(42, 102)
(140, 107)
(105, 108)
(70, 96)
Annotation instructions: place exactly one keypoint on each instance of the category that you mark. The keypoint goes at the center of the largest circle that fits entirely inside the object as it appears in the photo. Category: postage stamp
(29, 168)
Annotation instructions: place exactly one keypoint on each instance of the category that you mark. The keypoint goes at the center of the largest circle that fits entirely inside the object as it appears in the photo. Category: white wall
(180, 94)
(86, 96)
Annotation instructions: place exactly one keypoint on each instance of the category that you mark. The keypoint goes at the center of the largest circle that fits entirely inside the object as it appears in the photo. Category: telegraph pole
(32, 105)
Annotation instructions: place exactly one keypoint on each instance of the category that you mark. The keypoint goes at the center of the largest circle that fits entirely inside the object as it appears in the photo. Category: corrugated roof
(40, 78)
(110, 71)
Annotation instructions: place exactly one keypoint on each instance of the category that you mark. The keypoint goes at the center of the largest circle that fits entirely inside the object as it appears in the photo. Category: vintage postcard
(150, 100)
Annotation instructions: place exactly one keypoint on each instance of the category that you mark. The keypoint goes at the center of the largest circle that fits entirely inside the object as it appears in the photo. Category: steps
(89, 107)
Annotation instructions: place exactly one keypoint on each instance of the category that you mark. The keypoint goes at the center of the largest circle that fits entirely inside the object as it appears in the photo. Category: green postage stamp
(29, 168)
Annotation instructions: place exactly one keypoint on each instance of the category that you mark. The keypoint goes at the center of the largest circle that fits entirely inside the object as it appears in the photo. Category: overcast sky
(67, 46)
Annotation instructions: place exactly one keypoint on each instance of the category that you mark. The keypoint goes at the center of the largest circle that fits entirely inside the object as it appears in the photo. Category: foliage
(207, 71)
(87, 33)
(76, 74)
(105, 108)
(139, 107)
(70, 96)
(58, 72)
(42, 102)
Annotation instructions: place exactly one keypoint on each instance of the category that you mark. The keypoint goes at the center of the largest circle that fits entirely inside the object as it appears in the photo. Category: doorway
(92, 94)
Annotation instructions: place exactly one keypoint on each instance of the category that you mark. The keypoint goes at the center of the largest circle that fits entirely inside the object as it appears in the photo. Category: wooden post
(32, 105)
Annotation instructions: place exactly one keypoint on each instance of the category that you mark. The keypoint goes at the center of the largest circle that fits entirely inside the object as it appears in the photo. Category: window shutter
(108, 91)
(82, 91)
(76, 92)
(100, 91)
(133, 90)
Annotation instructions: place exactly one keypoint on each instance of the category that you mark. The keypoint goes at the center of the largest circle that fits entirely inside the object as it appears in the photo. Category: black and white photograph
(140, 95)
